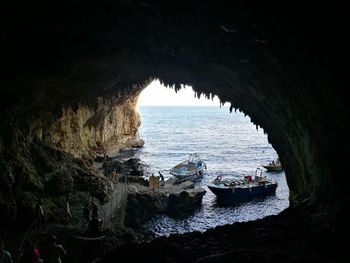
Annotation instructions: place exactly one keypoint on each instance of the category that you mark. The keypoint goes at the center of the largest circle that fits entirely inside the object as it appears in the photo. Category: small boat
(273, 166)
(189, 170)
(246, 188)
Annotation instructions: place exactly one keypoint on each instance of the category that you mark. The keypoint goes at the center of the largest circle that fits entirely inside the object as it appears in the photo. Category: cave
(72, 72)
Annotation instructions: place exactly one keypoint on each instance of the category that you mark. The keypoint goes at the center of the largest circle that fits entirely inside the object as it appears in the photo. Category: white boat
(273, 166)
(189, 170)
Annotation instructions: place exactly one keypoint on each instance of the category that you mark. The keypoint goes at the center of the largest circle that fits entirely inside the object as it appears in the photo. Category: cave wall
(274, 65)
(113, 123)
(47, 152)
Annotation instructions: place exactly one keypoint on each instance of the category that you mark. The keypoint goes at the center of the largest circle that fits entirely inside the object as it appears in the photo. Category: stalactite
(231, 108)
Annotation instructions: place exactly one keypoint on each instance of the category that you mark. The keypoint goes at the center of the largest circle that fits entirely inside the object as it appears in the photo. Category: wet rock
(185, 202)
(144, 203)
(132, 167)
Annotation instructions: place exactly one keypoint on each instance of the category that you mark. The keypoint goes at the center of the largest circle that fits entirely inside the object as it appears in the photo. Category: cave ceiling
(277, 62)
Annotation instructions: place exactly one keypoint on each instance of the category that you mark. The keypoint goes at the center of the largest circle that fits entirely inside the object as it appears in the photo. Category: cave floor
(291, 236)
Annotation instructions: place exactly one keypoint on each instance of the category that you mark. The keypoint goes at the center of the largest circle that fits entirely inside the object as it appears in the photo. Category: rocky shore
(176, 200)
(143, 201)
(127, 204)
(288, 237)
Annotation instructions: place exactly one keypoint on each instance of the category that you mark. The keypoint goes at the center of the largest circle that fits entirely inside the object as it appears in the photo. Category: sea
(229, 144)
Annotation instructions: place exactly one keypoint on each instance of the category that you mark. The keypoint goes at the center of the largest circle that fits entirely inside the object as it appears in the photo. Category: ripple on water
(228, 143)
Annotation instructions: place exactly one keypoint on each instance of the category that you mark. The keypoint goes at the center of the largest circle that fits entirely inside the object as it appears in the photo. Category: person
(161, 178)
(86, 213)
(114, 177)
(41, 215)
(95, 224)
(30, 253)
(68, 213)
(153, 182)
(5, 256)
(54, 252)
(94, 209)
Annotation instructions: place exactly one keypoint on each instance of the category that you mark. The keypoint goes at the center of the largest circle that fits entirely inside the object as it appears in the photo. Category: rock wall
(112, 123)
(49, 155)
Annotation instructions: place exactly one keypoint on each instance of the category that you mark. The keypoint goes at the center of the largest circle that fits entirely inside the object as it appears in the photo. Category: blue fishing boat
(246, 188)
(189, 170)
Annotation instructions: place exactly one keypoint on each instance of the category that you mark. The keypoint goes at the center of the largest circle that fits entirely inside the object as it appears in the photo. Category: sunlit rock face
(112, 123)
(41, 151)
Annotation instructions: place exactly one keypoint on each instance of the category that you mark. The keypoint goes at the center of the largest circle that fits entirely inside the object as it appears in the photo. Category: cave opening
(282, 64)
(175, 124)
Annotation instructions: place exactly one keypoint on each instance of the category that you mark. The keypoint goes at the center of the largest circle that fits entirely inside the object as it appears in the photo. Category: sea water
(229, 144)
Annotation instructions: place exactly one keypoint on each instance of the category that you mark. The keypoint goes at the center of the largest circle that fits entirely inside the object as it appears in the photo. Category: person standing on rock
(95, 224)
(86, 213)
(30, 253)
(114, 177)
(153, 182)
(161, 178)
(94, 209)
(54, 252)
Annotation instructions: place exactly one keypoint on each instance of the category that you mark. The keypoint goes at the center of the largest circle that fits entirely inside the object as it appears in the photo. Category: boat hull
(188, 171)
(191, 177)
(242, 193)
(273, 168)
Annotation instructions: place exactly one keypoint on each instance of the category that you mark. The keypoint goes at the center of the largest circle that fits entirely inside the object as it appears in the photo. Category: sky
(158, 95)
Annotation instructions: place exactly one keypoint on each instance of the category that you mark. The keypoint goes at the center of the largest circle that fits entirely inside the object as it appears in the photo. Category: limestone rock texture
(69, 69)
(113, 124)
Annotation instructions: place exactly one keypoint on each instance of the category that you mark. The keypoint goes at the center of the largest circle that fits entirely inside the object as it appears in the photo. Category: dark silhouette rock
(175, 200)
(72, 73)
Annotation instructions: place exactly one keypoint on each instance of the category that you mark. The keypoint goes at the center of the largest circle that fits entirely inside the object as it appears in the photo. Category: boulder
(144, 203)
(185, 202)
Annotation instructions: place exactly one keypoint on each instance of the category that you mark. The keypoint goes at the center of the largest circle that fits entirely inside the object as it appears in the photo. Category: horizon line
(181, 105)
